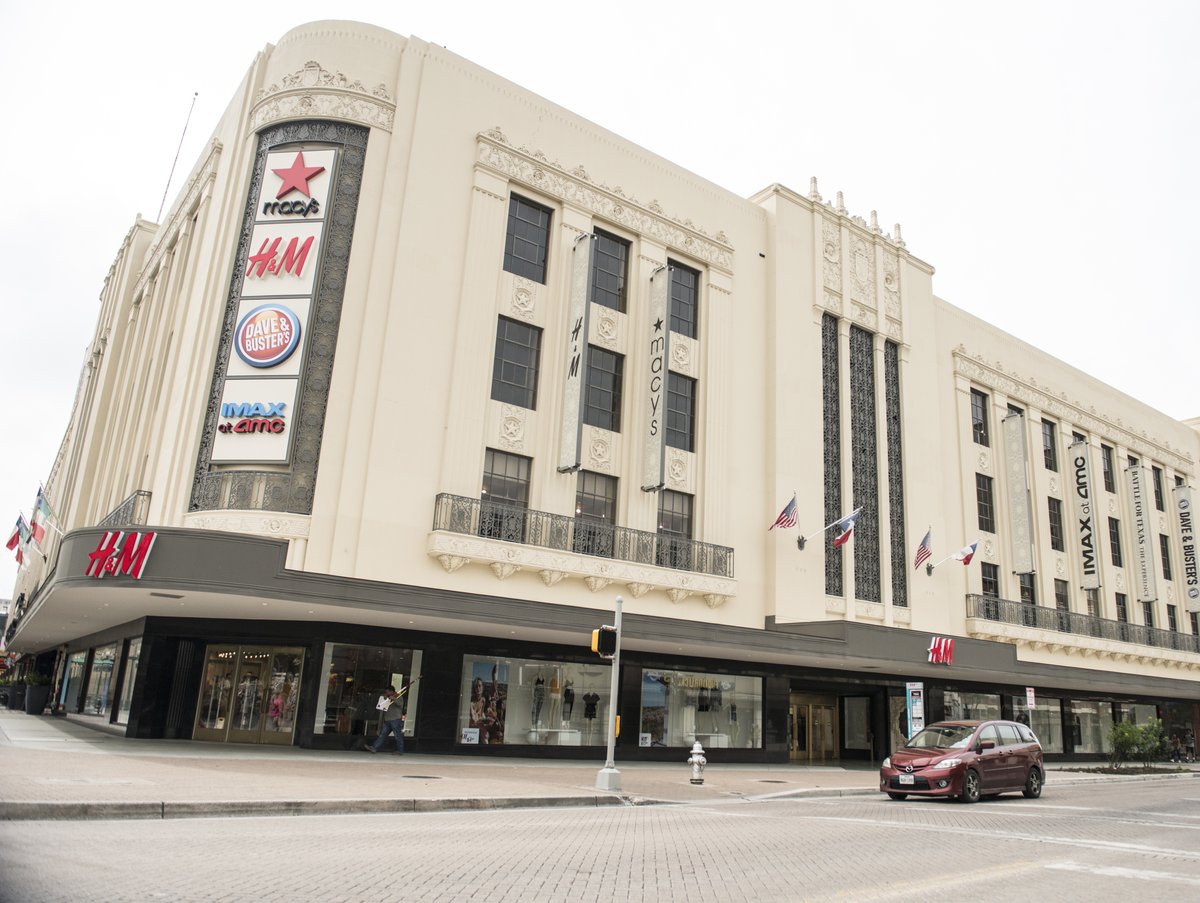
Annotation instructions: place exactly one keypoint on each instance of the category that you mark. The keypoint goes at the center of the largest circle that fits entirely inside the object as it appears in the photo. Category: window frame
(685, 300)
(603, 382)
(595, 524)
(614, 299)
(985, 507)
(1115, 547)
(681, 424)
(1108, 467)
(509, 391)
(1164, 549)
(676, 522)
(519, 231)
(504, 516)
(1054, 511)
(1050, 445)
(1157, 476)
(980, 426)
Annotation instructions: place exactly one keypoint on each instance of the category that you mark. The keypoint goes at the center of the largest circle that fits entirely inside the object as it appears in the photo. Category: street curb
(85, 811)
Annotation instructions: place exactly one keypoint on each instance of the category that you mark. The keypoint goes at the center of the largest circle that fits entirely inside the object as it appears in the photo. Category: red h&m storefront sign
(941, 650)
(120, 553)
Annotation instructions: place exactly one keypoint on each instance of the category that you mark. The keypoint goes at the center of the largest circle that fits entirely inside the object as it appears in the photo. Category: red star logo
(295, 177)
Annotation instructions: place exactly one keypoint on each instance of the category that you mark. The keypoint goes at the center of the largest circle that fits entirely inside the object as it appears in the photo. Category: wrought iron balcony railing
(1043, 618)
(133, 512)
(511, 523)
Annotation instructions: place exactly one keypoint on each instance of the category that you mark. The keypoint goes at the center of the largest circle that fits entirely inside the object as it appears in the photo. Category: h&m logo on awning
(114, 556)
(941, 650)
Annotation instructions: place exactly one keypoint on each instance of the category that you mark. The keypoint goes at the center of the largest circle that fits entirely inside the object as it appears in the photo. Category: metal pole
(609, 778)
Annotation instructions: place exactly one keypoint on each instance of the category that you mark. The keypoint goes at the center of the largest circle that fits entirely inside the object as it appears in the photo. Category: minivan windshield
(941, 736)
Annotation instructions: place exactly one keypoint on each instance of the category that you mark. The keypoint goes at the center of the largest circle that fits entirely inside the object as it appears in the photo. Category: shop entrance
(249, 694)
(812, 729)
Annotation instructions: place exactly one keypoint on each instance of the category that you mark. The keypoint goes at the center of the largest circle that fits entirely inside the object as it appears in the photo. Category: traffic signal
(604, 641)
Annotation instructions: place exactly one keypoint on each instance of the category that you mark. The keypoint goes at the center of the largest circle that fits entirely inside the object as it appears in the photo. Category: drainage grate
(423, 777)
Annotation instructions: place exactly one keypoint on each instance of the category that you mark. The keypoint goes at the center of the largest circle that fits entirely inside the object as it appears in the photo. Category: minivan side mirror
(987, 744)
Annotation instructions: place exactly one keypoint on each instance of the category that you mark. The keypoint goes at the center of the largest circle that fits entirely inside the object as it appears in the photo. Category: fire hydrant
(697, 761)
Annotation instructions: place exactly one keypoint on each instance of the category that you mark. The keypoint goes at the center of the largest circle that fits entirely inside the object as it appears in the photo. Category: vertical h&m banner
(571, 432)
(1187, 537)
(1143, 545)
(1085, 515)
(1017, 486)
(658, 346)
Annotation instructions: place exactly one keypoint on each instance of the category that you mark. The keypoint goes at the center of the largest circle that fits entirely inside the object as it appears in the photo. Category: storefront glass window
(971, 706)
(74, 682)
(523, 702)
(719, 710)
(1136, 713)
(99, 683)
(1045, 718)
(130, 674)
(355, 678)
(1091, 726)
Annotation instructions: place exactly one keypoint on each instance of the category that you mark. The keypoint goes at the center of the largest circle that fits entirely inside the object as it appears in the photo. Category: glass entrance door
(249, 694)
(812, 727)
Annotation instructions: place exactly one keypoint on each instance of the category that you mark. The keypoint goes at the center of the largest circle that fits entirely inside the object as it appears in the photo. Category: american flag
(787, 517)
(924, 550)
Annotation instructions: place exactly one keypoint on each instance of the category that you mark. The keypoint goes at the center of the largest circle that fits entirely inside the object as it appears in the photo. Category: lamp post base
(608, 779)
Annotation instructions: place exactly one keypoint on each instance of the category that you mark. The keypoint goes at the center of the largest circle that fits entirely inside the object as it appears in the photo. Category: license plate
(907, 779)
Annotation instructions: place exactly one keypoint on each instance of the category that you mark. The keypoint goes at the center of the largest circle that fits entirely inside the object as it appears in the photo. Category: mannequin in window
(555, 699)
(539, 697)
(568, 699)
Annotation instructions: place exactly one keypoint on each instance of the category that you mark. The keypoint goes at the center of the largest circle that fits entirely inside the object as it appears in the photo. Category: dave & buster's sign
(267, 335)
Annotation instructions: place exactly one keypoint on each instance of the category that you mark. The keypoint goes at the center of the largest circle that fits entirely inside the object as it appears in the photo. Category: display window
(960, 706)
(73, 685)
(132, 655)
(1137, 713)
(718, 710)
(99, 682)
(1045, 718)
(1090, 726)
(526, 702)
(355, 678)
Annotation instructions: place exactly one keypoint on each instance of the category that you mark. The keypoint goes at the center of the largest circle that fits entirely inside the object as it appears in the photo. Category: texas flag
(41, 516)
(966, 553)
(18, 530)
(846, 526)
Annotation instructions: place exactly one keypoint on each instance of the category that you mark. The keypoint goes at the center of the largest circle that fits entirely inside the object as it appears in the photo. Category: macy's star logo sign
(296, 176)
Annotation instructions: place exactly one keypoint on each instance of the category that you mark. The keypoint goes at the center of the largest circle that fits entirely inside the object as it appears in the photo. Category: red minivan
(966, 759)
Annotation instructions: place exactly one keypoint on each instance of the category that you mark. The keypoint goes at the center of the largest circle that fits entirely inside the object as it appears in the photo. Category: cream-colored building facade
(421, 372)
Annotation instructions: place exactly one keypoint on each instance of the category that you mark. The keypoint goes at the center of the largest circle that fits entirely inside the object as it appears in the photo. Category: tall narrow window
(504, 498)
(1062, 603)
(1157, 474)
(985, 503)
(1114, 542)
(1194, 618)
(515, 368)
(595, 514)
(681, 412)
(1132, 460)
(1093, 602)
(1106, 459)
(979, 418)
(991, 579)
(1172, 619)
(1122, 608)
(610, 262)
(895, 472)
(1148, 614)
(1028, 589)
(685, 288)
(674, 530)
(605, 373)
(1164, 547)
(1049, 445)
(831, 426)
(1054, 507)
(864, 459)
(528, 238)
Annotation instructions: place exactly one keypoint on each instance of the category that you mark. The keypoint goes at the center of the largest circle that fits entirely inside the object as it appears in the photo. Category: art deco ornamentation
(314, 92)
(524, 298)
(864, 462)
(551, 578)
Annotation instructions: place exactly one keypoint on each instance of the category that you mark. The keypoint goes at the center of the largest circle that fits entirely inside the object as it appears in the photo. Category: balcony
(132, 512)
(510, 538)
(1048, 628)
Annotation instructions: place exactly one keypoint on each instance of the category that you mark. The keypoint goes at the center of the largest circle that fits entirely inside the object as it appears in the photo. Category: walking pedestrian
(393, 718)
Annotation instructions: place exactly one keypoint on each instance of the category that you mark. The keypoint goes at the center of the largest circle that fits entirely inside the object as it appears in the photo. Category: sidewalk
(58, 768)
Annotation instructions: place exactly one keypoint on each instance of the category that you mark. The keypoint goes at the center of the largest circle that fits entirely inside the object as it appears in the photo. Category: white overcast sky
(1043, 156)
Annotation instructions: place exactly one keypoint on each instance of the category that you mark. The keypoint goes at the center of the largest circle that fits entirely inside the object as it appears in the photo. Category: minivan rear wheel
(1033, 785)
(970, 787)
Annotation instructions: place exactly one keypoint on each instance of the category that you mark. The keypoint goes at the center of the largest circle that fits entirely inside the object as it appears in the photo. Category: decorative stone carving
(553, 179)
(677, 469)
(316, 93)
(637, 590)
(551, 578)
(1060, 567)
(1053, 484)
(835, 605)
(261, 523)
(452, 562)
(677, 594)
(596, 583)
(512, 427)
(864, 315)
(524, 299)
(714, 600)
(833, 303)
(607, 330)
(504, 569)
(985, 463)
(599, 452)
(681, 356)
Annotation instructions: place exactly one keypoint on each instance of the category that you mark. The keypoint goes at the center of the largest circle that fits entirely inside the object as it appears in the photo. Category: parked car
(967, 760)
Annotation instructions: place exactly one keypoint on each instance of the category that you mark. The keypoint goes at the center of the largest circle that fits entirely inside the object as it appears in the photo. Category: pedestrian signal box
(604, 641)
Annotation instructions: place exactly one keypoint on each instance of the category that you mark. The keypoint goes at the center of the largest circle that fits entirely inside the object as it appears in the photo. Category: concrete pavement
(57, 768)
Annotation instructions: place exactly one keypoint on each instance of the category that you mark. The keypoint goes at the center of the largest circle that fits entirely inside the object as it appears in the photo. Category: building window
(979, 418)
(681, 412)
(1028, 589)
(1122, 608)
(603, 400)
(991, 579)
(1164, 546)
(595, 514)
(1194, 617)
(1056, 524)
(983, 498)
(1016, 410)
(610, 263)
(1114, 542)
(528, 239)
(831, 438)
(1148, 613)
(1049, 445)
(1157, 474)
(505, 496)
(1093, 602)
(685, 287)
(674, 530)
(1172, 619)
(515, 370)
(1106, 458)
(1133, 461)
(1062, 600)
(125, 701)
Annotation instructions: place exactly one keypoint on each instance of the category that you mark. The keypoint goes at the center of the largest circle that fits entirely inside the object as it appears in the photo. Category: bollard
(697, 761)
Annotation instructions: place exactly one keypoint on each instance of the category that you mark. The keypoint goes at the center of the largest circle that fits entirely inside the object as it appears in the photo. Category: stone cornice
(1028, 391)
(576, 187)
(312, 92)
(1038, 639)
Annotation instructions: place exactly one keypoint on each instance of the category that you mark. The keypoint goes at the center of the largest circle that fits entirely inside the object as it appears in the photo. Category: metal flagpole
(609, 778)
(802, 539)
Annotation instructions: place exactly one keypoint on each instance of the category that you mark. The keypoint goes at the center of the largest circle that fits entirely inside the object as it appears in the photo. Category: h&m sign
(119, 552)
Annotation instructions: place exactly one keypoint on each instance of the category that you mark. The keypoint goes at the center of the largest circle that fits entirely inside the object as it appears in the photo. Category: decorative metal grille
(130, 513)
(865, 464)
(831, 413)
(895, 464)
(291, 488)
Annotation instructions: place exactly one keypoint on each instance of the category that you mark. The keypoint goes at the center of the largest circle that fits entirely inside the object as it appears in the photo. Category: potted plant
(37, 692)
(16, 694)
